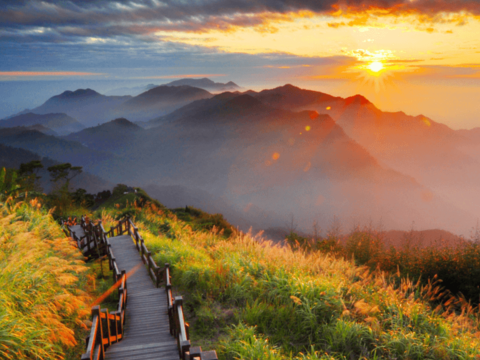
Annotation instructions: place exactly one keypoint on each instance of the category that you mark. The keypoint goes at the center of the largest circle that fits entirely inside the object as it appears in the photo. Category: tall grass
(456, 264)
(41, 276)
(267, 302)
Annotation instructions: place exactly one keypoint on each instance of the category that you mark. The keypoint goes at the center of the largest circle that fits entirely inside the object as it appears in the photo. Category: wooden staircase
(152, 327)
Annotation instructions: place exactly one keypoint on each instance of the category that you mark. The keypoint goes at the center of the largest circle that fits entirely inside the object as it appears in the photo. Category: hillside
(286, 151)
(86, 105)
(57, 149)
(61, 124)
(46, 286)
(11, 158)
(251, 300)
(42, 129)
(255, 156)
(159, 101)
(244, 296)
(112, 136)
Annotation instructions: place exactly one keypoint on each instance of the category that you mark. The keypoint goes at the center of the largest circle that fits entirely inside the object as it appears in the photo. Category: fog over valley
(262, 158)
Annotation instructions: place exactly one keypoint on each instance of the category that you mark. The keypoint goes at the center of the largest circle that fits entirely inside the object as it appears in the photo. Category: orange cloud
(47, 73)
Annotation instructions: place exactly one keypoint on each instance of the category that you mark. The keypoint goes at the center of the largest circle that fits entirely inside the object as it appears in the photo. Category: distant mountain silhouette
(11, 157)
(112, 136)
(290, 97)
(159, 101)
(60, 123)
(472, 134)
(42, 129)
(195, 108)
(256, 156)
(86, 105)
(286, 150)
(409, 144)
(57, 149)
(205, 83)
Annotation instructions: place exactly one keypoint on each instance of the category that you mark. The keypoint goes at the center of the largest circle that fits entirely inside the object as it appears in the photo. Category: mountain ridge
(60, 123)
(205, 83)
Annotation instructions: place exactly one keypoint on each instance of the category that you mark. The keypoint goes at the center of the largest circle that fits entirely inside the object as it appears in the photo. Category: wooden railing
(107, 328)
(179, 328)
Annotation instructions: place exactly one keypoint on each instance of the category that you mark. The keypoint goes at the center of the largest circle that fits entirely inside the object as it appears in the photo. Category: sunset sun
(376, 66)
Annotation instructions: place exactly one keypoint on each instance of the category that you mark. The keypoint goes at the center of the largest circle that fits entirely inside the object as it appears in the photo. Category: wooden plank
(147, 332)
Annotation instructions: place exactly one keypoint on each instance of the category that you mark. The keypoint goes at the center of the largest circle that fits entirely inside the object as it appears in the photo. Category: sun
(375, 66)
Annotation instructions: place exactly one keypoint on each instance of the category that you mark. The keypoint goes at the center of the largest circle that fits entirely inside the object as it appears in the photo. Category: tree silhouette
(29, 174)
(64, 172)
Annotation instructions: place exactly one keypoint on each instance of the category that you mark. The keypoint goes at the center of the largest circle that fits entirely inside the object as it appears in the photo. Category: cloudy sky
(419, 56)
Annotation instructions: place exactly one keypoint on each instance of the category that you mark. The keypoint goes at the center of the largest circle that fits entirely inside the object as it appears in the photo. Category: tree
(82, 198)
(29, 175)
(8, 183)
(61, 175)
(64, 172)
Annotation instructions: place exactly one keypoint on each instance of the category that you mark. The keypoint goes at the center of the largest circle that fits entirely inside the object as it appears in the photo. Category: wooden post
(137, 240)
(109, 251)
(183, 342)
(106, 325)
(113, 326)
(99, 337)
(113, 268)
(124, 276)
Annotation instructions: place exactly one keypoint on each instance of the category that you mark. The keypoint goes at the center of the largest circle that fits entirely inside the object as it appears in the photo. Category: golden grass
(305, 302)
(41, 303)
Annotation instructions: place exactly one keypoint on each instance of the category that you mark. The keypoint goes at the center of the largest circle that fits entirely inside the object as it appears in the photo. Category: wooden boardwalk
(152, 326)
(78, 230)
(147, 330)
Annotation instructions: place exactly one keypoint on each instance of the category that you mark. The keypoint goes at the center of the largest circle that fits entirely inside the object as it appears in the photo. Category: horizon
(17, 105)
(412, 56)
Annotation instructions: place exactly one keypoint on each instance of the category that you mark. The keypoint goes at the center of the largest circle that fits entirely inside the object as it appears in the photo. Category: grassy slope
(250, 300)
(46, 288)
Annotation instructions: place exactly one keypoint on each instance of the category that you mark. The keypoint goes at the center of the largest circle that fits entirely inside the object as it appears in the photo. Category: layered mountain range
(261, 157)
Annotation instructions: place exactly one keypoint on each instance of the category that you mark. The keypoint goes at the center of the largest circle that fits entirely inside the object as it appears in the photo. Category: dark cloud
(143, 17)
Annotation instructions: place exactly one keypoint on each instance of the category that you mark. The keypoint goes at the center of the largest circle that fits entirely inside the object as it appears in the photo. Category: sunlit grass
(42, 273)
(301, 305)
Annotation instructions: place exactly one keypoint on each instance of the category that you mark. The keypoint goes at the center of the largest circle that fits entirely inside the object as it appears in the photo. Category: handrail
(107, 328)
(179, 328)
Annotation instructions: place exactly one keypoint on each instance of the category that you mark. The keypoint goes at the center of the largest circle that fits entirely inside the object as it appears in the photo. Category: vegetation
(455, 264)
(47, 289)
(252, 300)
(42, 275)
(327, 298)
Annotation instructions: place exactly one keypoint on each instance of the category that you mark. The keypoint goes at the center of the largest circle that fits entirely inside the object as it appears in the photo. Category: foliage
(8, 183)
(41, 276)
(266, 302)
(119, 190)
(29, 174)
(127, 202)
(201, 220)
(64, 173)
(82, 198)
(457, 265)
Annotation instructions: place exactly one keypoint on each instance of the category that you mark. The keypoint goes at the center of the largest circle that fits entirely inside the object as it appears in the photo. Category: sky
(416, 56)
